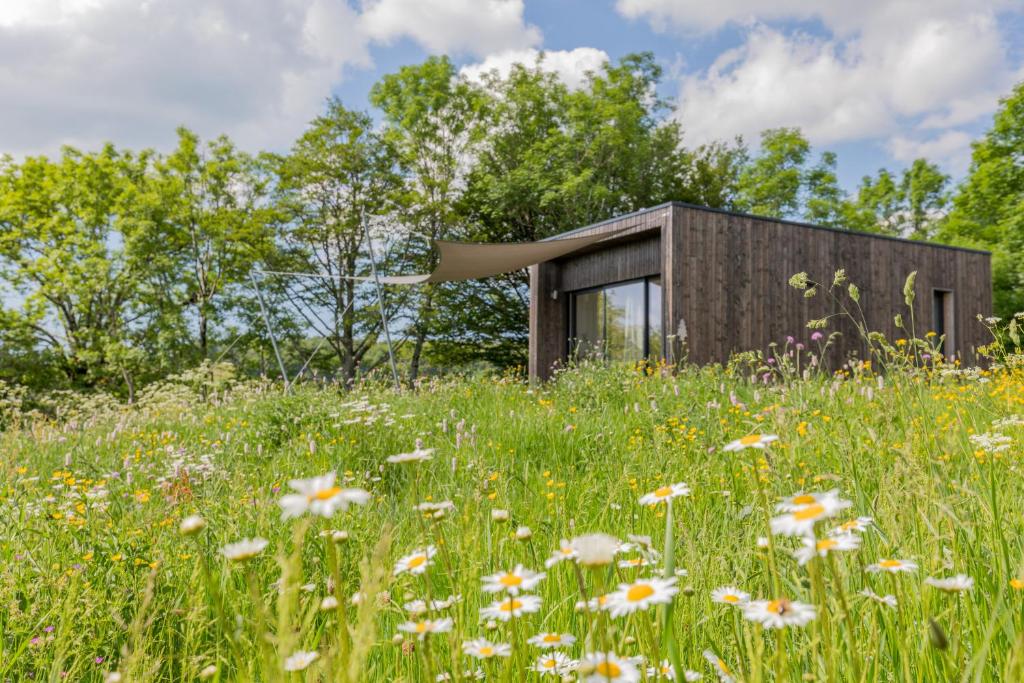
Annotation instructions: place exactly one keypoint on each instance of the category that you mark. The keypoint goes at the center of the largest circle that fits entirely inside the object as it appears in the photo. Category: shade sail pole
(270, 329)
(380, 302)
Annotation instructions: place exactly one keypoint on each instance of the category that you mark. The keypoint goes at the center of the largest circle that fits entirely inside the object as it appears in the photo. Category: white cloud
(479, 27)
(132, 71)
(571, 66)
(882, 70)
(82, 72)
(952, 149)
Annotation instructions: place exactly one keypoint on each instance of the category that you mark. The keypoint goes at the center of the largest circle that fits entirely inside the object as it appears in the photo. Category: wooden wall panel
(726, 275)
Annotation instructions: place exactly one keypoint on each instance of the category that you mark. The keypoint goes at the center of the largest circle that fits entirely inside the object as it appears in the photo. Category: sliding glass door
(620, 322)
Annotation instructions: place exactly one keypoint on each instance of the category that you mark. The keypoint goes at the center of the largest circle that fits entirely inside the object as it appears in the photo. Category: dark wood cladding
(725, 275)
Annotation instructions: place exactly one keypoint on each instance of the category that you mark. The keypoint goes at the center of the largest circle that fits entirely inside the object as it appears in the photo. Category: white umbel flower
(952, 584)
(779, 613)
(245, 549)
(519, 579)
(319, 496)
(664, 493)
(595, 550)
(602, 667)
(640, 595)
(300, 660)
(417, 455)
(192, 524)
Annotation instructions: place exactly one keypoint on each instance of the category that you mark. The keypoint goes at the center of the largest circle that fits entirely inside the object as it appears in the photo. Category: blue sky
(879, 82)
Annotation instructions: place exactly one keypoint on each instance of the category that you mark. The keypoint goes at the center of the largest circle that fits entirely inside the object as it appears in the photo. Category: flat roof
(785, 221)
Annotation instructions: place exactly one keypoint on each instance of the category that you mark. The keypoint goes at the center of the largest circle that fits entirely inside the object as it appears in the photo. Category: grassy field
(98, 580)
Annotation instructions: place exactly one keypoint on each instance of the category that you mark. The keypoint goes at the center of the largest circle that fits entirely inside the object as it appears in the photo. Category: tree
(825, 202)
(878, 204)
(212, 223)
(69, 247)
(429, 121)
(925, 197)
(713, 174)
(988, 208)
(338, 171)
(770, 184)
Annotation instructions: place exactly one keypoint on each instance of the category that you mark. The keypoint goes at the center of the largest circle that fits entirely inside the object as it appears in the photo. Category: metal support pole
(270, 330)
(380, 301)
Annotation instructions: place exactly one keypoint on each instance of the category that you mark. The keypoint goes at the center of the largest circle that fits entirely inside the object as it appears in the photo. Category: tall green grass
(96, 578)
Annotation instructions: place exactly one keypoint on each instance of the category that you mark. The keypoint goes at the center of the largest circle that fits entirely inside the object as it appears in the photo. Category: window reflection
(620, 322)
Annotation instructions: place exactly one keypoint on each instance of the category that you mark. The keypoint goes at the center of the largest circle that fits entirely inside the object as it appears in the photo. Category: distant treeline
(120, 267)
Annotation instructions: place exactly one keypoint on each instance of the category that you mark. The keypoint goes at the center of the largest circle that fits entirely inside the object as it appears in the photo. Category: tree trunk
(422, 328)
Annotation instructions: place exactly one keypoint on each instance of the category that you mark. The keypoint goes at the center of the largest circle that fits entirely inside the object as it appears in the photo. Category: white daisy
(640, 595)
(417, 455)
(634, 563)
(511, 607)
(601, 667)
(750, 441)
(799, 500)
(547, 640)
(328, 603)
(952, 584)
(858, 525)
(565, 552)
(665, 493)
(554, 663)
(481, 648)
(779, 613)
(244, 549)
(422, 628)
(300, 660)
(319, 496)
(417, 562)
(823, 546)
(724, 674)
(595, 550)
(801, 521)
(665, 671)
(889, 600)
(519, 579)
(730, 595)
(892, 566)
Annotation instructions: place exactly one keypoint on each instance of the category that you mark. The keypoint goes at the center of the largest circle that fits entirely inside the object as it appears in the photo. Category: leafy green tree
(825, 202)
(337, 171)
(713, 172)
(770, 185)
(430, 119)
(877, 205)
(988, 208)
(69, 238)
(925, 196)
(211, 223)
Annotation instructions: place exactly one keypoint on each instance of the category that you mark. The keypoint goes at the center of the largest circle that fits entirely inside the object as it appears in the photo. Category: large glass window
(620, 322)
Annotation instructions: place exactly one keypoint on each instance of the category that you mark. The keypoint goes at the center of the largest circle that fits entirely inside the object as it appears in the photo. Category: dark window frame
(646, 280)
(946, 298)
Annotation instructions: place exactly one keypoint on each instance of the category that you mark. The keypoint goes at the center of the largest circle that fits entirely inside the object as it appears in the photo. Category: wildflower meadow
(620, 523)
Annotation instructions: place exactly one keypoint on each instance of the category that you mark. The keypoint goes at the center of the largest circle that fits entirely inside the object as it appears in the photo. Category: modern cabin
(679, 278)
